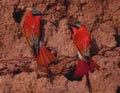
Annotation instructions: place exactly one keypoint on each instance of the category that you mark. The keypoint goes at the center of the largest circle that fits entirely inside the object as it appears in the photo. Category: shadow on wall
(117, 38)
(42, 34)
(70, 74)
(94, 47)
(118, 90)
(18, 14)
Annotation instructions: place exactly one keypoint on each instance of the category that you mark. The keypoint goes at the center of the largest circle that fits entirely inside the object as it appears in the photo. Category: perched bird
(82, 40)
(33, 35)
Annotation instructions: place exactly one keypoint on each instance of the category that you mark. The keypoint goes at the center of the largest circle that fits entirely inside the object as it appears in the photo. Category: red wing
(78, 44)
(31, 31)
(82, 41)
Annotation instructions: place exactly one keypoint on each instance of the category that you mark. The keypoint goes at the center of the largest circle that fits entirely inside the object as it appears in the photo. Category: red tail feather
(93, 65)
(83, 68)
(44, 57)
(50, 56)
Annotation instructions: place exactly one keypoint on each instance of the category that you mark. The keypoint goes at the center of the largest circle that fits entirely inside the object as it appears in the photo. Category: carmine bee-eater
(33, 34)
(82, 40)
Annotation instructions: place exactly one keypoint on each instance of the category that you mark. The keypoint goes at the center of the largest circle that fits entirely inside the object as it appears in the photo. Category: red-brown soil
(18, 69)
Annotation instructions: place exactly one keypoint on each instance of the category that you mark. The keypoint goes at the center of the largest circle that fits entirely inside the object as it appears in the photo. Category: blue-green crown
(36, 12)
(77, 24)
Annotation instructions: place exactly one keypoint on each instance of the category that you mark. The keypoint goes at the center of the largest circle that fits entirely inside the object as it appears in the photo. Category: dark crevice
(38, 76)
(100, 18)
(89, 85)
(17, 71)
(56, 24)
(117, 38)
(94, 48)
(118, 64)
(66, 3)
(96, 24)
(17, 14)
(42, 29)
(51, 5)
(81, 5)
(118, 90)
(70, 74)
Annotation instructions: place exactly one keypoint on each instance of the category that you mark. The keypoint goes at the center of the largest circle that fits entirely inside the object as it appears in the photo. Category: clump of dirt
(18, 69)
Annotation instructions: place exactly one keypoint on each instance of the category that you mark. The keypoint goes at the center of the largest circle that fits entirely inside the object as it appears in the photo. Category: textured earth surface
(18, 68)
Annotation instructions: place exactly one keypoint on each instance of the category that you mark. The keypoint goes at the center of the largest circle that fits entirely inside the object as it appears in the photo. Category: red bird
(33, 36)
(82, 40)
